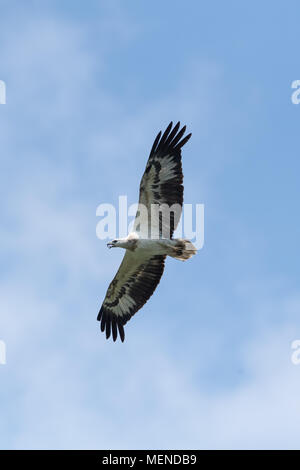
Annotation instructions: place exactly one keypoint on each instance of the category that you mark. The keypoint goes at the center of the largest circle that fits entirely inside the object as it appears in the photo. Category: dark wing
(134, 283)
(161, 184)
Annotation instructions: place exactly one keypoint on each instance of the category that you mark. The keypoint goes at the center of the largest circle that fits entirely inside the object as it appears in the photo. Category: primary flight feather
(158, 214)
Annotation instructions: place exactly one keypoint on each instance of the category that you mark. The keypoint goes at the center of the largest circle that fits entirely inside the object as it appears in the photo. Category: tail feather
(182, 249)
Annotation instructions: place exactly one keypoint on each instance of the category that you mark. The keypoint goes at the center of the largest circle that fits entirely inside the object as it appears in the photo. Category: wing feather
(162, 185)
(134, 283)
(140, 273)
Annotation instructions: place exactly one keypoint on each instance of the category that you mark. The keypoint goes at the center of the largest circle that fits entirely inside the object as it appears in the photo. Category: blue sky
(207, 362)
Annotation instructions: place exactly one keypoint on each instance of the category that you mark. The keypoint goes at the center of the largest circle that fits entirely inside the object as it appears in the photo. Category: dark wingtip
(166, 133)
(172, 134)
(99, 315)
(114, 330)
(171, 139)
(108, 325)
(154, 146)
(111, 326)
(102, 324)
(121, 332)
(183, 141)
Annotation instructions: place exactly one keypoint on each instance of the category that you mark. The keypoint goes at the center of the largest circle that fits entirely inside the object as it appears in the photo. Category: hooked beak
(110, 245)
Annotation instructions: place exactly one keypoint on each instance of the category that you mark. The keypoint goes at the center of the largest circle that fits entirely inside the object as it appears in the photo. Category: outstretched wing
(161, 185)
(134, 283)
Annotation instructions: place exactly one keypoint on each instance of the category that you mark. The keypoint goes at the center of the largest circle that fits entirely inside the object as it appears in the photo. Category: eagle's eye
(114, 241)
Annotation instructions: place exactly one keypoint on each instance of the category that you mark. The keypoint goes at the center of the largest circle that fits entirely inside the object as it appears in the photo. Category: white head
(129, 242)
(118, 242)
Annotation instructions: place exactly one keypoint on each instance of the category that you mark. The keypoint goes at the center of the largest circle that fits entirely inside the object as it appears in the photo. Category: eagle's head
(119, 243)
(113, 244)
(128, 243)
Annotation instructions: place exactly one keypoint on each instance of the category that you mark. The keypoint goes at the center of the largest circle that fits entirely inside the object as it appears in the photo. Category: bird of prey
(158, 214)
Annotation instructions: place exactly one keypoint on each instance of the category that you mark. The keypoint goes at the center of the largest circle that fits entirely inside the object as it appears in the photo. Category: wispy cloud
(207, 361)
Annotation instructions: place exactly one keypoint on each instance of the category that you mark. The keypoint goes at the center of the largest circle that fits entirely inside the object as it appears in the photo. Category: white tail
(182, 249)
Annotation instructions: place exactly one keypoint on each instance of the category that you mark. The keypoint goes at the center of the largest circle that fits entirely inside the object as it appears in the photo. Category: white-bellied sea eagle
(158, 214)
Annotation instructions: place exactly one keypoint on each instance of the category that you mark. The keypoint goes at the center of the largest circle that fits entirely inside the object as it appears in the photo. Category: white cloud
(71, 388)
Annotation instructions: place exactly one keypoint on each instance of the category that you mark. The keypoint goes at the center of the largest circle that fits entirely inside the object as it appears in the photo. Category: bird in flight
(158, 214)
